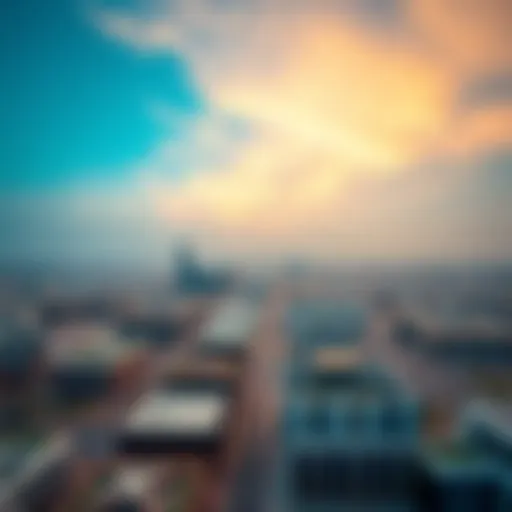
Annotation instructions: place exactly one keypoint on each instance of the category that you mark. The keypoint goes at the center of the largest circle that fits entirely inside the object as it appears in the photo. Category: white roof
(133, 481)
(232, 324)
(174, 412)
(86, 343)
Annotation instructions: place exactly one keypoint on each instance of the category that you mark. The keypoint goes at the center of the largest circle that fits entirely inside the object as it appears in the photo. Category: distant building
(475, 340)
(230, 328)
(457, 478)
(62, 310)
(322, 322)
(86, 361)
(192, 278)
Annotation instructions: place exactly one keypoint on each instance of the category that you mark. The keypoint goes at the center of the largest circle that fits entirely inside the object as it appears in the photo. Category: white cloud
(337, 112)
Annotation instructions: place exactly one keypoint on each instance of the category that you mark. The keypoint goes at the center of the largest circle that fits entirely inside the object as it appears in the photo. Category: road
(251, 484)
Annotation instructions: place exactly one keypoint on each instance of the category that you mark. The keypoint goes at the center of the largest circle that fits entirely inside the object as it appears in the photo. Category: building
(313, 322)
(473, 471)
(33, 471)
(229, 330)
(349, 441)
(62, 310)
(179, 422)
(349, 431)
(192, 278)
(86, 361)
(211, 374)
(456, 339)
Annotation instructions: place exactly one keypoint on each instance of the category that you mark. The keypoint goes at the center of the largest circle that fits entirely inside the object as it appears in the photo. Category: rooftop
(335, 359)
(205, 368)
(231, 324)
(366, 385)
(458, 326)
(496, 414)
(133, 481)
(87, 344)
(327, 321)
(178, 412)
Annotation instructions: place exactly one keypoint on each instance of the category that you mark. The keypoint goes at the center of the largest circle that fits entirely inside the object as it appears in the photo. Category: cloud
(473, 36)
(337, 111)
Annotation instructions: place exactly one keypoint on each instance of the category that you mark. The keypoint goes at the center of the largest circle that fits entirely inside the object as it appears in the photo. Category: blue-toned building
(349, 431)
(473, 472)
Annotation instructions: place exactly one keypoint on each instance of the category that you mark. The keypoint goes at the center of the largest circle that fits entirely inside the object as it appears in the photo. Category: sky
(354, 129)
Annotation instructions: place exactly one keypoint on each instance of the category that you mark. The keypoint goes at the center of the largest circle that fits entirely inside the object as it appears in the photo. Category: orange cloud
(481, 130)
(335, 107)
(471, 35)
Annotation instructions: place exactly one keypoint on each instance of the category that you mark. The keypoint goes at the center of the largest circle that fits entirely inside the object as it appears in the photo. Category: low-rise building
(469, 340)
(349, 436)
(229, 330)
(88, 360)
(315, 322)
(175, 422)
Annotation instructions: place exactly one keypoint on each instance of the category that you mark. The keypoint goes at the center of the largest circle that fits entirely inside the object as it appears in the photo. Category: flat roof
(86, 344)
(177, 412)
(464, 328)
(335, 358)
(323, 319)
(133, 481)
(231, 324)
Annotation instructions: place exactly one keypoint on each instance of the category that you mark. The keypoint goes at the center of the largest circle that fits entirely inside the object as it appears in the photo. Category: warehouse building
(33, 472)
(175, 422)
